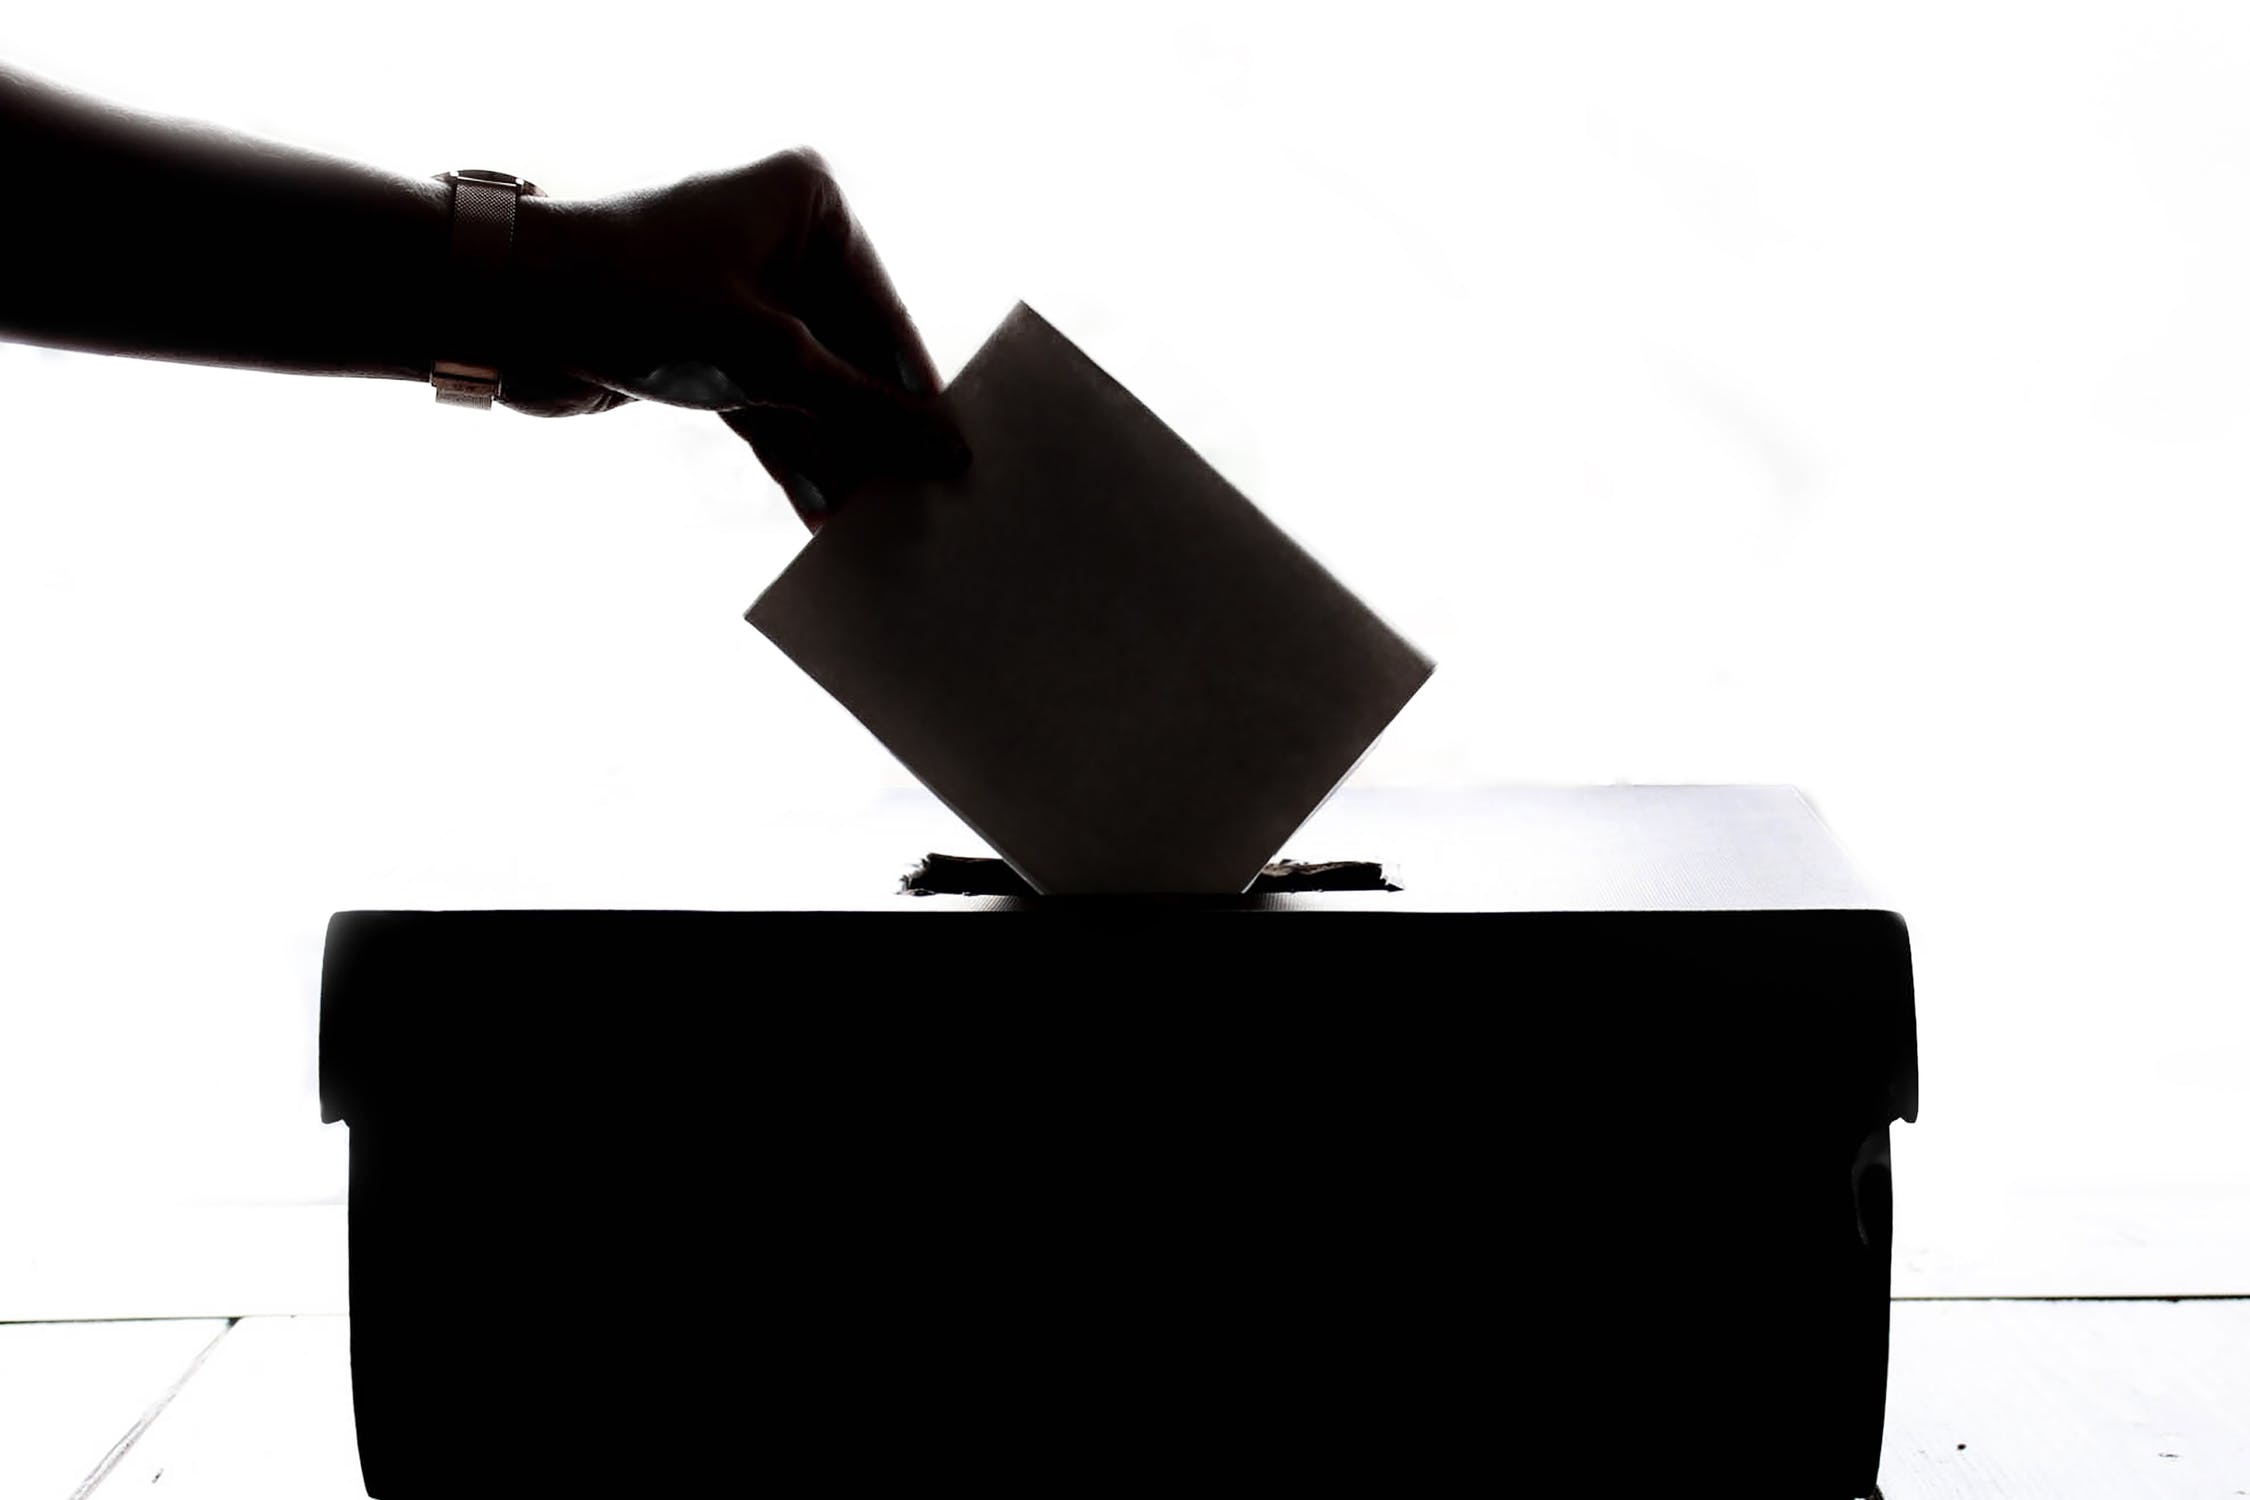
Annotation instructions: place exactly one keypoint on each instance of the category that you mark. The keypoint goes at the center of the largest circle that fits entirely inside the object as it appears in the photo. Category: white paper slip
(1090, 646)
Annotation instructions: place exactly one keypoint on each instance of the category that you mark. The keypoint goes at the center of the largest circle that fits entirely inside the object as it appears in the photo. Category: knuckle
(807, 170)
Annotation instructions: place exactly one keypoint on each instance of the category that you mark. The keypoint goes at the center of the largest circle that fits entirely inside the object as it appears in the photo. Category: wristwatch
(472, 330)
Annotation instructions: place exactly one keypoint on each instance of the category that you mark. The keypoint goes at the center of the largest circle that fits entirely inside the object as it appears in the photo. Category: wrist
(556, 280)
(537, 270)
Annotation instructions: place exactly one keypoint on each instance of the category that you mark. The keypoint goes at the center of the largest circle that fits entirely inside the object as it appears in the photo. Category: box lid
(1710, 932)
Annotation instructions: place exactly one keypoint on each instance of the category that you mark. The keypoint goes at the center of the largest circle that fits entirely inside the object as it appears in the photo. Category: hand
(752, 293)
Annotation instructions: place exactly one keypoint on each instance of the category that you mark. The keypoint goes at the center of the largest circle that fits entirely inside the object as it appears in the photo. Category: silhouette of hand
(752, 293)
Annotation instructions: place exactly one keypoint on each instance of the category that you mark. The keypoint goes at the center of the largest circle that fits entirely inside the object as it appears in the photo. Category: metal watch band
(484, 226)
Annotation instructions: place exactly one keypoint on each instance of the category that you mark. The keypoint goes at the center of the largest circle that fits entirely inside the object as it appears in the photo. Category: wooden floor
(2055, 1400)
(2068, 1399)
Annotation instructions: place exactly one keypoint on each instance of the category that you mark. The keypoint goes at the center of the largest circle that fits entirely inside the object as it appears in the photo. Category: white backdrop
(1847, 396)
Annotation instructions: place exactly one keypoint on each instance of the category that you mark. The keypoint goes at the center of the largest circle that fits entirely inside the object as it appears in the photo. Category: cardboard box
(1401, 1192)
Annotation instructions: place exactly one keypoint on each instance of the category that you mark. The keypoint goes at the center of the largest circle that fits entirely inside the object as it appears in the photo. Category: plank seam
(2094, 1297)
(124, 1445)
(158, 1318)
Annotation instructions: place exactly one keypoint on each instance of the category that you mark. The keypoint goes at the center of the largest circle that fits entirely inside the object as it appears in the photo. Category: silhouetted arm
(752, 293)
(134, 234)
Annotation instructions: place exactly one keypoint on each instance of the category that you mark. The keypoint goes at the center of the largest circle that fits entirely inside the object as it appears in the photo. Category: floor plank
(69, 1392)
(268, 1417)
(1956, 1239)
(2068, 1400)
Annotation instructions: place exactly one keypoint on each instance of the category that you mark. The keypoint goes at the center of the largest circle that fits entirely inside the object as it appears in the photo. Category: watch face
(497, 179)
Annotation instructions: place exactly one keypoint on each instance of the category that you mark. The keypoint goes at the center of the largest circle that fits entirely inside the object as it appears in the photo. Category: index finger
(851, 305)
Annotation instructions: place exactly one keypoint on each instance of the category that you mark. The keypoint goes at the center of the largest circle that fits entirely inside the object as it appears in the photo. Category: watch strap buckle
(465, 385)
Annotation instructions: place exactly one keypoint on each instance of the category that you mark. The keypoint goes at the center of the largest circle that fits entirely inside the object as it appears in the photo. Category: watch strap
(473, 305)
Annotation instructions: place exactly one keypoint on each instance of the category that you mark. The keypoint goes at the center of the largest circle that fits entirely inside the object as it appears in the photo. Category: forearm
(134, 234)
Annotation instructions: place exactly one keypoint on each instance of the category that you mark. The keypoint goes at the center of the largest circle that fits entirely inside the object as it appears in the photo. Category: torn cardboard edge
(970, 875)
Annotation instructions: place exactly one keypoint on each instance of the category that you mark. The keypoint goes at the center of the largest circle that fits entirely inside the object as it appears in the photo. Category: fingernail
(910, 375)
(805, 495)
(692, 383)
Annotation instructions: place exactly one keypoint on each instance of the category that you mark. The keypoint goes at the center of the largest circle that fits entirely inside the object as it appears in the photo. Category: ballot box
(1571, 1150)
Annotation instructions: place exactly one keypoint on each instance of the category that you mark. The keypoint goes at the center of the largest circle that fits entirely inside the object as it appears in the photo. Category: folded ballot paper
(1089, 645)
